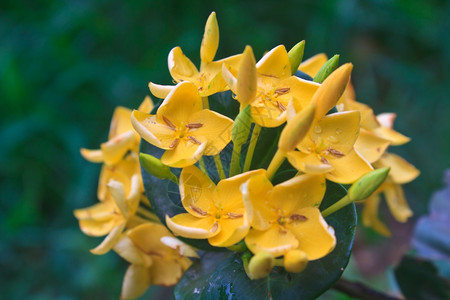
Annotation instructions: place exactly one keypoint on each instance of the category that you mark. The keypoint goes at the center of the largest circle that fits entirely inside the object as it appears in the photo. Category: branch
(361, 291)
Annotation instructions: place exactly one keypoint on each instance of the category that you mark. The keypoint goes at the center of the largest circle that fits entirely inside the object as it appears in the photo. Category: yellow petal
(349, 168)
(197, 191)
(246, 78)
(296, 129)
(233, 230)
(118, 194)
(370, 146)
(210, 41)
(165, 272)
(276, 240)
(395, 137)
(114, 149)
(255, 193)
(216, 129)
(97, 228)
(186, 153)
(180, 67)
(268, 115)
(315, 237)
(157, 134)
(136, 282)
(132, 254)
(299, 192)
(229, 196)
(370, 215)
(146, 105)
(331, 89)
(182, 248)
(213, 83)
(308, 163)
(275, 63)
(229, 77)
(110, 240)
(147, 237)
(313, 64)
(134, 195)
(160, 91)
(120, 122)
(397, 203)
(95, 156)
(97, 212)
(338, 131)
(186, 225)
(401, 171)
(300, 89)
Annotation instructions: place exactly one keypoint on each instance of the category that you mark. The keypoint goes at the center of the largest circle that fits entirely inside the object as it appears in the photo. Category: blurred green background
(65, 65)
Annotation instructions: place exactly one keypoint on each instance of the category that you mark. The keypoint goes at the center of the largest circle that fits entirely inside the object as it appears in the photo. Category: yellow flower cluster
(131, 230)
(326, 135)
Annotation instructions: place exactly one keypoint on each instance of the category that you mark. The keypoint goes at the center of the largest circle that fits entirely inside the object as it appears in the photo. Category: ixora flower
(121, 139)
(286, 217)
(276, 87)
(183, 128)
(313, 64)
(401, 172)
(110, 216)
(328, 149)
(208, 80)
(156, 258)
(215, 213)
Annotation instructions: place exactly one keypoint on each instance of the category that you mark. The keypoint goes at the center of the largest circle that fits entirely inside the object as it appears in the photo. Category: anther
(168, 123)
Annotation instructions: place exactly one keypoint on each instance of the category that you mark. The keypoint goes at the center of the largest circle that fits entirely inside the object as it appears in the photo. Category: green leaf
(327, 69)
(222, 276)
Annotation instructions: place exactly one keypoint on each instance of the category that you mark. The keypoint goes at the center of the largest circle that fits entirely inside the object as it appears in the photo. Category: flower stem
(251, 148)
(235, 165)
(201, 164)
(344, 201)
(147, 214)
(205, 102)
(219, 166)
(276, 162)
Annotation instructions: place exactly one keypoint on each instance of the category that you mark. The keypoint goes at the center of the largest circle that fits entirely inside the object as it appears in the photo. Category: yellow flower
(208, 80)
(276, 87)
(287, 216)
(313, 64)
(328, 149)
(156, 258)
(401, 172)
(183, 128)
(215, 213)
(121, 139)
(110, 216)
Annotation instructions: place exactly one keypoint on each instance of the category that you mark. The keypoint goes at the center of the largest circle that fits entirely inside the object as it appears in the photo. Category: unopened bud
(367, 184)
(296, 56)
(296, 129)
(156, 168)
(295, 261)
(260, 265)
(327, 69)
(210, 41)
(246, 78)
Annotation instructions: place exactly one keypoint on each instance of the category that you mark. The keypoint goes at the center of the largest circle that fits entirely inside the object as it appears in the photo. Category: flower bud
(295, 261)
(155, 167)
(296, 129)
(260, 265)
(296, 56)
(246, 78)
(327, 69)
(210, 41)
(241, 126)
(367, 184)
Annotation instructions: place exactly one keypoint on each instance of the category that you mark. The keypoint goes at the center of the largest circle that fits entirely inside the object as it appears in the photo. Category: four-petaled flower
(287, 216)
(215, 213)
(183, 128)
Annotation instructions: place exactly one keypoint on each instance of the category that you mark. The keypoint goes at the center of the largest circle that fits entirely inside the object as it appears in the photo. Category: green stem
(205, 102)
(276, 162)
(245, 259)
(251, 148)
(219, 166)
(235, 165)
(201, 164)
(344, 201)
(279, 262)
(239, 247)
(147, 214)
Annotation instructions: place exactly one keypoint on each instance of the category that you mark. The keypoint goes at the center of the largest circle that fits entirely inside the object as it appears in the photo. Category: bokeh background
(66, 64)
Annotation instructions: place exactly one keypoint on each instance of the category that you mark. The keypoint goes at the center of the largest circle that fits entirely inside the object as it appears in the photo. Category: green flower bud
(367, 184)
(155, 167)
(327, 69)
(296, 56)
(241, 126)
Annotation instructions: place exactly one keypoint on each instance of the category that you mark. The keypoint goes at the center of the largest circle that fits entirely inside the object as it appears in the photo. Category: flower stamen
(194, 140)
(168, 123)
(198, 210)
(174, 143)
(194, 125)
